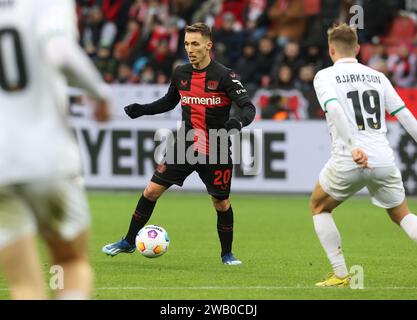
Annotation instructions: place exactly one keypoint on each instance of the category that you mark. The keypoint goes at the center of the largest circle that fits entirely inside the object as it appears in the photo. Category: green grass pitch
(274, 237)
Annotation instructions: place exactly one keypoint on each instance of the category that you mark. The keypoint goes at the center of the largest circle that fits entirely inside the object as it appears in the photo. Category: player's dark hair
(201, 28)
(343, 36)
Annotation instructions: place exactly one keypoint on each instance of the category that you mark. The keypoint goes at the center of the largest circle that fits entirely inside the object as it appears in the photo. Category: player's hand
(360, 157)
(135, 110)
(102, 111)
(233, 123)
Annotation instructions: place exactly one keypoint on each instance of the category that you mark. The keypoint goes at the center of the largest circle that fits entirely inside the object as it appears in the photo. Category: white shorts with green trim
(383, 183)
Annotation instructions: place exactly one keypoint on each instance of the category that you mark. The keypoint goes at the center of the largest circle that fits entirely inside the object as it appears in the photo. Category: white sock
(330, 240)
(409, 225)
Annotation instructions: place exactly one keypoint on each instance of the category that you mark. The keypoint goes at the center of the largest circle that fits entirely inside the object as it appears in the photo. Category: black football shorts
(216, 177)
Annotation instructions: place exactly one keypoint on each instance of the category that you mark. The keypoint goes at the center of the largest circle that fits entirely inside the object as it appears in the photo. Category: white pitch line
(235, 288)
(241, 288)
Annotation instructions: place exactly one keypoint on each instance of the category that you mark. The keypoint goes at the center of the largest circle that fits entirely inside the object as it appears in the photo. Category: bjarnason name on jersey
(346, 78)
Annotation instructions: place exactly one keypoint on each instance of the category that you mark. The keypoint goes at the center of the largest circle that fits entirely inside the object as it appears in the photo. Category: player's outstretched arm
(56, 30)
(408, 121)
(67, 56)
(164, 104)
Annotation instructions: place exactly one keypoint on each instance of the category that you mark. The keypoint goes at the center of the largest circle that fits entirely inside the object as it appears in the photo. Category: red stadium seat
(312, 7)
(403, 29)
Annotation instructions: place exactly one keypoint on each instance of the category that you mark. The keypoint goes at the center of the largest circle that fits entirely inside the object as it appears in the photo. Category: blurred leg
(22, 269)
(18, 250)
(72, 256)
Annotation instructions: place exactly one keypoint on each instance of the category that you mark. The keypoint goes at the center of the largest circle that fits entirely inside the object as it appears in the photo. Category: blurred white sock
(330, 240)
(409, 225)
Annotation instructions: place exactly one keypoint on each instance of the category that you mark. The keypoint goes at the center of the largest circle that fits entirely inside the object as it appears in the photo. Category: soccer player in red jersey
(206, 90)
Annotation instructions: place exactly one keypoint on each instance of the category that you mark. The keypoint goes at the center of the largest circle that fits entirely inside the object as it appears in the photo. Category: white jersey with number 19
(364, 94)
(36, 141)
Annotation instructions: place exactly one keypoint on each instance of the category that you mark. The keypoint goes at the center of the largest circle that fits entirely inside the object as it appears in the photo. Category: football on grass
(152, 241)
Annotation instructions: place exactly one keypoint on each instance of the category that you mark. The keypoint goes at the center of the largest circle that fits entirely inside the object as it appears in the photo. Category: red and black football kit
(206, 97)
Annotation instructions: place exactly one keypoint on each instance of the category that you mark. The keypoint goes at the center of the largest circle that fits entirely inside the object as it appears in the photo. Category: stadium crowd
(275, 46)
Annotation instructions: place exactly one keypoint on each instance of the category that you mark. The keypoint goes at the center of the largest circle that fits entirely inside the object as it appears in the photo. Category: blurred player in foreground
(355, 99)
(40, 165)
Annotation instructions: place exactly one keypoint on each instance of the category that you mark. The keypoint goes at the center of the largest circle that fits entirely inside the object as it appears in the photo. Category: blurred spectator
(184, 9)
(304, 80)
(378, 53)
(111, 9)
(138, 11)
(147, 76)
(161, 78)
(304, 83)
(92, 33)
(124, 74)
(231, 40)
(319, 21)
(83, 7)
(378, 59)
(116, 13)
(284, 79)
(235, 7)
(146, 12)
(270, 43)
(161, 60)
(145, 49)
(288, 20)
(291, 57)
(265, 60)
(106, 64)
(124, 47)
(377, 17)
(254, 16)
(254, 10)
(159, 33)
(246, 66)
(207, 12)
(382, 66)
(313, 54)
(220, 54)
(402, 65)
(176, 28)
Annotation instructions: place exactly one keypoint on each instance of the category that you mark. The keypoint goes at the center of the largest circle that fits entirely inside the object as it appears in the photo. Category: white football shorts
(383, 183)
(55, 209)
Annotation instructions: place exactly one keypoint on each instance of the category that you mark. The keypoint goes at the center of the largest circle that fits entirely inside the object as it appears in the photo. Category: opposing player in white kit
(355, 99)
(40, 166)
